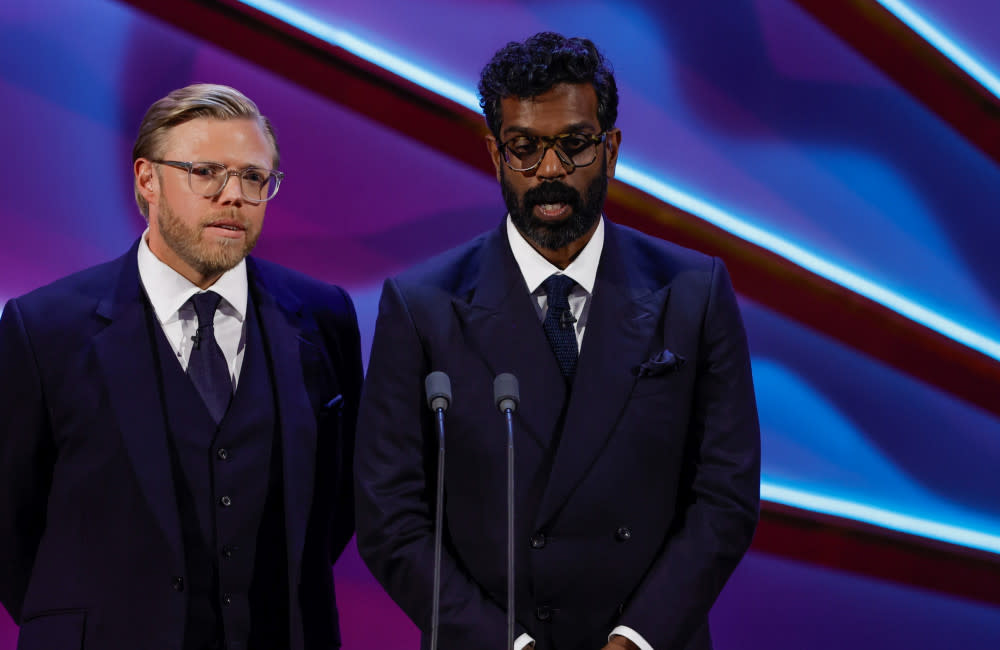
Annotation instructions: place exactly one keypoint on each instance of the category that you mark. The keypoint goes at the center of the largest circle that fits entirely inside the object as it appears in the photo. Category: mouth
(551, 210)
(226, 229)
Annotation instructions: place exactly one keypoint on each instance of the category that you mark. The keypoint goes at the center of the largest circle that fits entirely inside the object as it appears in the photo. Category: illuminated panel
(901, 522)
(944, 44)
(770, 490)
(653, 186)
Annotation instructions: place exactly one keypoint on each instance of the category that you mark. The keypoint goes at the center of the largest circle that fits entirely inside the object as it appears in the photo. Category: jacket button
(538, 540)
(228, 550)
(543, 613)
(227, 599)
(222, 453)
(623, 534)
(177, 583)
(226, 501)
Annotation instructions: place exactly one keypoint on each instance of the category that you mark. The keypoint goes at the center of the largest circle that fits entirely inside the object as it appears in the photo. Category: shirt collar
(535, 268)
(168, 290)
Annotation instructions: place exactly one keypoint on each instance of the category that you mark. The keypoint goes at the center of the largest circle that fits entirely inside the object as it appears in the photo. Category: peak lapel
(126, 353)
(281, 324)
(502, 325)
(622, 321)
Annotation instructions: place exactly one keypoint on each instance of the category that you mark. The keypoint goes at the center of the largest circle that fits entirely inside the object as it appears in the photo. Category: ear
(612, 141)
(146, 182)
(494, 149)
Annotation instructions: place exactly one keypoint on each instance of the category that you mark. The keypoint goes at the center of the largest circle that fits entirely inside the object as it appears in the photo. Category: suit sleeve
(395, 467)
(347, 343)
(26, 459)
(720, 491)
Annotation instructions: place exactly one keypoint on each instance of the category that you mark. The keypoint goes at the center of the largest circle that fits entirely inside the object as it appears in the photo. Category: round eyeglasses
(522, 153)
(209, 178)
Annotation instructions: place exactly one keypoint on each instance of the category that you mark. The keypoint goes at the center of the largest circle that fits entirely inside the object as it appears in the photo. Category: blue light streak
(656, 187)
(744, 229)
(943, 44)
(361, 48)
(881, 517)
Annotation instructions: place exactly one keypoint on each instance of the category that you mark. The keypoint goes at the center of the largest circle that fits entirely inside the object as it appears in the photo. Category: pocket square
(660, 363)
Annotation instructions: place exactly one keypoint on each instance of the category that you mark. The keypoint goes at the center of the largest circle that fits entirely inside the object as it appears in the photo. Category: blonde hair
(185, 104)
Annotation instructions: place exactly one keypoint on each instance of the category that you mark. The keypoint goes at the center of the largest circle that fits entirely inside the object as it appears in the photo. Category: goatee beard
(584, 212)
(208, 258)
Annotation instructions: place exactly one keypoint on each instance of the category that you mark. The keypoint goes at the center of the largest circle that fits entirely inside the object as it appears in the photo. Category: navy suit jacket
(90, 538)
(632, 507)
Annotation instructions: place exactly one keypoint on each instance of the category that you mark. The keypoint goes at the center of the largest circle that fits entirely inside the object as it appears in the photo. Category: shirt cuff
(523, 641)
(629, 634)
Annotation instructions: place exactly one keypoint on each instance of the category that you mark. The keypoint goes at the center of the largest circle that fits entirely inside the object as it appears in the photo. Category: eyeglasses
(209, 178)
(522, 153)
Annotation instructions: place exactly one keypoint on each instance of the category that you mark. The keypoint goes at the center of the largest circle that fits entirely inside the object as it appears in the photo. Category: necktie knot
(557, 287)
(205, 305)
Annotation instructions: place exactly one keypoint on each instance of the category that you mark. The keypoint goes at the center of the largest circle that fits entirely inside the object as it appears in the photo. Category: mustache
(552, 192)
(230, 214)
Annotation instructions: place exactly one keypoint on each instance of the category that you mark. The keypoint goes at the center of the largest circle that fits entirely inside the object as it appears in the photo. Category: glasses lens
(523, 152)
(581, 150)
(258, 184)
(207, 178)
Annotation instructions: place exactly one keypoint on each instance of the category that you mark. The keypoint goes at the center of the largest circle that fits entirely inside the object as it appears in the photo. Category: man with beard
(179, 422)
(637, 447)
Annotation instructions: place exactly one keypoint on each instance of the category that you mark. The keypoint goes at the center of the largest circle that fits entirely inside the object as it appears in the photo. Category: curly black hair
(544, 60)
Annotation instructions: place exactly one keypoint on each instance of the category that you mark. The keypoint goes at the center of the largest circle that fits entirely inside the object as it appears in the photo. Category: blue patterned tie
(207, 366)
(559, 321)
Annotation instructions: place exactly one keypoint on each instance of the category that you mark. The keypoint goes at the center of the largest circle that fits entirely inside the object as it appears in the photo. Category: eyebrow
(575, 127)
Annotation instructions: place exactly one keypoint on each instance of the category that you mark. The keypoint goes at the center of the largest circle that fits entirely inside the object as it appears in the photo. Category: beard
(584, 211)
(207, 257)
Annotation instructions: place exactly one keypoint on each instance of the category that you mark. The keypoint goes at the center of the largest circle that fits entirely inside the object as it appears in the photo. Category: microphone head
(438, 388)
(506, 394)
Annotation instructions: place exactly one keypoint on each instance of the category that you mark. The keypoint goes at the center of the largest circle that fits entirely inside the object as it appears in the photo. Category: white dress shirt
(168, 292)
(583, 270)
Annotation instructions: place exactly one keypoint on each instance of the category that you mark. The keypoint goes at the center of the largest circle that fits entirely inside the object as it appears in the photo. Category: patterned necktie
(207, 365)
(558, 323)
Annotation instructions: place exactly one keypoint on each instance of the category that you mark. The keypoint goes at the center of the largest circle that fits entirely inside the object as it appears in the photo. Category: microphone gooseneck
(437, 385)
(506, 395)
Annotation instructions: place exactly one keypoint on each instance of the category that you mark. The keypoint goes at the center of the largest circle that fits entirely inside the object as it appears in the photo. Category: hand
(620, 643)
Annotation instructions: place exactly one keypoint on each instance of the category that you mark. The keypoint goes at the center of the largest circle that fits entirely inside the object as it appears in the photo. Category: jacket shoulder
(450, 272)
(69, 295)
(660, 257)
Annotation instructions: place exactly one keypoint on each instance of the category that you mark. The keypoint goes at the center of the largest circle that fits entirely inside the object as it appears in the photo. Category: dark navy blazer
(90, 540)
(634, 504)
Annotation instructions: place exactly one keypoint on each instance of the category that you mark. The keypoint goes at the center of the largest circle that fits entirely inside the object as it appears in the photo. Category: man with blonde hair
(179, 422)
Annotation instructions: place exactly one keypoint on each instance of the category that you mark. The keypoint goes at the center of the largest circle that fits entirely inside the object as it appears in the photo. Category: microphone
(566, 319)
(438, 389)
(505, 392)
(507, 396)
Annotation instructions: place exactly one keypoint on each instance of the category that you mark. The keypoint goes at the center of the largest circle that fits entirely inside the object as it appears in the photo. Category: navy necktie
(207, 365)
(559, 321)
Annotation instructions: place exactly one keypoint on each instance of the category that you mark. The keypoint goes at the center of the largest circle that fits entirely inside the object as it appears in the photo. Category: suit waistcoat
(228, 485)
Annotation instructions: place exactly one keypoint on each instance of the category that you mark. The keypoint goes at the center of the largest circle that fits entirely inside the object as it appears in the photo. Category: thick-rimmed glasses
(209, 178)
(522, 153)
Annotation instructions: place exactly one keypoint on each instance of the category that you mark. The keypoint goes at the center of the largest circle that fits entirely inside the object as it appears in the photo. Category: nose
(551, 166)
(232, 193)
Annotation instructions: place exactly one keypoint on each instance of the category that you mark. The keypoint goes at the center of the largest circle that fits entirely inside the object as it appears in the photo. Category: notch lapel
(623, 319)
(126, 353)
(503, 327)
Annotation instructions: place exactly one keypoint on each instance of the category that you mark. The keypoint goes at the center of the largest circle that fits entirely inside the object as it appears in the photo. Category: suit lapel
(281, 325)
(126, 353)
(501, 324)
(623, 318)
